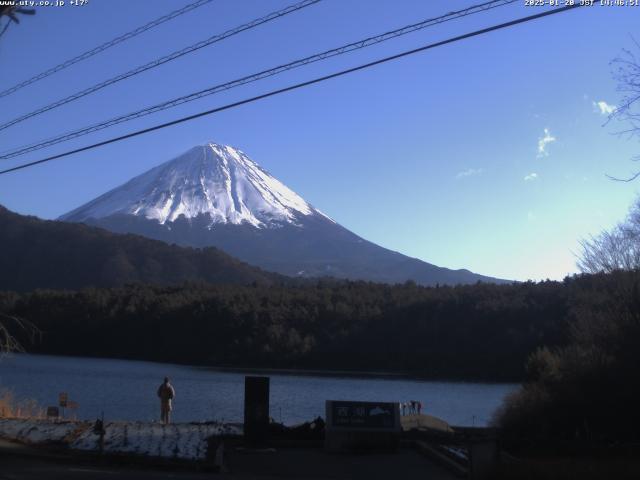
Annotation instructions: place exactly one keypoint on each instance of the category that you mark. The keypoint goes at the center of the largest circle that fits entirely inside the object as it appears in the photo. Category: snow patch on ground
(186, 441)
(36, 431)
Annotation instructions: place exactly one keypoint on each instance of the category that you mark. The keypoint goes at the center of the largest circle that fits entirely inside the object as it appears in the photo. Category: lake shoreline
(123, 389)
(302, 372)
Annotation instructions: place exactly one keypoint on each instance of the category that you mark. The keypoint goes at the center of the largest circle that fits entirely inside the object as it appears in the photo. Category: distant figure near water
(412, 407)
(166, 393)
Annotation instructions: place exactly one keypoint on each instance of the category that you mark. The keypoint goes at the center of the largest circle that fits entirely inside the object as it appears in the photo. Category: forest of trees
(574, 344)
(587, 389)
(481, 331)
(48, 254)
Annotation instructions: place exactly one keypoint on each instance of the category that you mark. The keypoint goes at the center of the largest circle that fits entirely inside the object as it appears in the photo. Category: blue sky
(488, 154)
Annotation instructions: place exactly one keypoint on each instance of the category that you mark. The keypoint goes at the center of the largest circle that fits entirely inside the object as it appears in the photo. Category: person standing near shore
(166, 393)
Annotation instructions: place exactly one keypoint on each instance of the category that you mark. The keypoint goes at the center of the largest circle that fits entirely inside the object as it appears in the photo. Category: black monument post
(256, 411)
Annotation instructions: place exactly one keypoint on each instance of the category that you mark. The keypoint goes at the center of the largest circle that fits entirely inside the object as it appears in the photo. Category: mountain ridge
(40, 253)
(215, 195)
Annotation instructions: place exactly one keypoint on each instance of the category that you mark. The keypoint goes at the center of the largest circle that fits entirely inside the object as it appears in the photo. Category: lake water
(126, 390)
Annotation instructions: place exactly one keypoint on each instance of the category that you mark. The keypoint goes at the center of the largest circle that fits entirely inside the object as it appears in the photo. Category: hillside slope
(215, 195)
(36, 253)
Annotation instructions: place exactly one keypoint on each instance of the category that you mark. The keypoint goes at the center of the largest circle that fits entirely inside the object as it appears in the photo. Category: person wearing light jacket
(166, 393)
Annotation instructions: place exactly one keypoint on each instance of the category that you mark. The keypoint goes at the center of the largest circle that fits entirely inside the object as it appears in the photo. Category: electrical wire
(161, 61)
(367, 42)
(297, 86)
(105, 46)
(6, 27)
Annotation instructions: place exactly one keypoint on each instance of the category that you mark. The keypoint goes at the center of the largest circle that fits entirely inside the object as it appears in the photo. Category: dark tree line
(481, 331)
(586, 390)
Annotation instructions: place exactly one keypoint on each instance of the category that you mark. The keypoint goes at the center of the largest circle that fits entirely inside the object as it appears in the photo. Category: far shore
(296, 372)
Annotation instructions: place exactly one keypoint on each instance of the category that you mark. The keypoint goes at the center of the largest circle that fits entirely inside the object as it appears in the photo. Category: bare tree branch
(629, 179)
(626, 72)
(616, 249)
(9, 327)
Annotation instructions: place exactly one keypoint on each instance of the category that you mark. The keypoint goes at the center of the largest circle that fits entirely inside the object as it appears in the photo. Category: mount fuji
(215, 195)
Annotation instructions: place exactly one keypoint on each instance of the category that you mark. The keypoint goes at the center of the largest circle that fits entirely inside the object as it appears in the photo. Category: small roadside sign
(362, 426)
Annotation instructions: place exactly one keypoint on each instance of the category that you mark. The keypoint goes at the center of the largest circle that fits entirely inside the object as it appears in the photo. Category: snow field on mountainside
(214, 180)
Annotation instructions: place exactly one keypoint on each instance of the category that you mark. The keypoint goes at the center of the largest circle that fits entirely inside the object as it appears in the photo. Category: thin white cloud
(531, 177)
(603, 108)
(469, 172)
(543, 141)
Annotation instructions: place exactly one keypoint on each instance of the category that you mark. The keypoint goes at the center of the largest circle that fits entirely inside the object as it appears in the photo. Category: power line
(5, 28)
(161, 61)
(297, 86)
(367, 42)
(105, 46)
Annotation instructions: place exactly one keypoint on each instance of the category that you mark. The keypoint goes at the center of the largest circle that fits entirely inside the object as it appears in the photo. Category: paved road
(13, 468)
(18, 463)
(31, 469)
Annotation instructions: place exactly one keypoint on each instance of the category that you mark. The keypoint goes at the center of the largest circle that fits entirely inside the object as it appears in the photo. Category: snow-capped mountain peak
(231, 203)
(212, 179)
